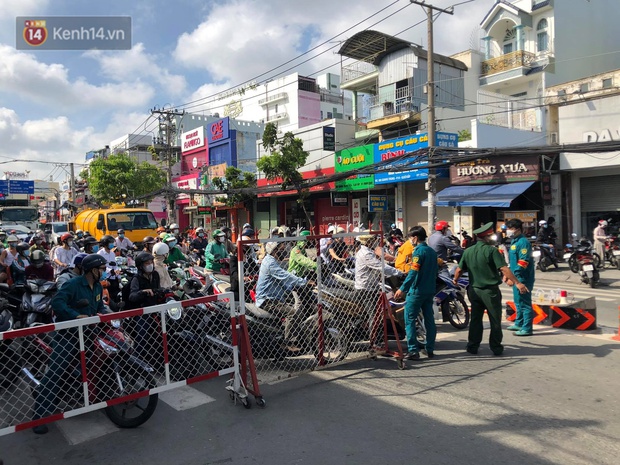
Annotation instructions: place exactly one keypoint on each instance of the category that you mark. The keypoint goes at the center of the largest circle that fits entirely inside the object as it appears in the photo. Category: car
(54, 231)
(22, 232)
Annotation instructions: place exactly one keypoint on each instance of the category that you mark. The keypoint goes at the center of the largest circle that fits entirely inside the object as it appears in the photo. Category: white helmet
(542, 223)
(161, 249)
(603, 223)
(174, 226)
(331, 229)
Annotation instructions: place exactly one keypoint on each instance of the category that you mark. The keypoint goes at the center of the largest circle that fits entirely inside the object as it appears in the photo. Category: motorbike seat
(200, 271)
(257, 312)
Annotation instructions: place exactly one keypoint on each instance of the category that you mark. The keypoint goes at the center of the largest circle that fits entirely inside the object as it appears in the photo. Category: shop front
(185, 204)
(592, 180)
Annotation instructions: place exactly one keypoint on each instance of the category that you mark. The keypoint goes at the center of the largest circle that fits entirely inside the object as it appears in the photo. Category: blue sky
(55, 106)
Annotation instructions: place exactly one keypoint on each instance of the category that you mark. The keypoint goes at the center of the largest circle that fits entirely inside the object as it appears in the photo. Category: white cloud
(22, 74)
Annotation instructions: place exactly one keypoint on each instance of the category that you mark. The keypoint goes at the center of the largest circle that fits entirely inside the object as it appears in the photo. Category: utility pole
(72, 181)
(431, 185)
(168, 132)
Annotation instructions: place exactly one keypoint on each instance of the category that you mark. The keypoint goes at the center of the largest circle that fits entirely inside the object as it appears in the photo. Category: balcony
(541, 5)
(330, 97)
(509, 112)
(510, 61)
(390, 109)
(273, 98)
(359, 76)
(277, 117)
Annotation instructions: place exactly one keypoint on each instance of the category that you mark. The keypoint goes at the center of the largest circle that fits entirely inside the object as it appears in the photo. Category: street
(551, 399)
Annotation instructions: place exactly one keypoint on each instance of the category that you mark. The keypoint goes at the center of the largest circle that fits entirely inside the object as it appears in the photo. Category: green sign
(351, 159)
(204, 210)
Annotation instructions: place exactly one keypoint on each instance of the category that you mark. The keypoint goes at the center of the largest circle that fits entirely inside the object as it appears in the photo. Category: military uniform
(420, 286)
(522, 267)
(483, 262)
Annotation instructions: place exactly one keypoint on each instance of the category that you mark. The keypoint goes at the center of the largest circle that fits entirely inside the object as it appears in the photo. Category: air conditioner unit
(553, 138)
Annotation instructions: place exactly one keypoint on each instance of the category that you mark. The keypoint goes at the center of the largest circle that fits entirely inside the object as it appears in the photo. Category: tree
(286, 157)
(235, 179)
(464, 135)
(118, 177)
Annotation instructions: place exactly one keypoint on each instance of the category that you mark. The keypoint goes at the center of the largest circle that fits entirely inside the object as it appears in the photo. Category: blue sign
(218, 131)
(398, 147)
(377, 203)
(17, 187)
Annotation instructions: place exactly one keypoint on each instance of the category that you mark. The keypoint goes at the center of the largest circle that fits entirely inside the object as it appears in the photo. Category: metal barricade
(117, 361)
(303, 309)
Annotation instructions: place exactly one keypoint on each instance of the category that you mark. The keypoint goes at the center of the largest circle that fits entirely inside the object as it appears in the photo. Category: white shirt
(123, 243)
(109, 257)
(64, 256)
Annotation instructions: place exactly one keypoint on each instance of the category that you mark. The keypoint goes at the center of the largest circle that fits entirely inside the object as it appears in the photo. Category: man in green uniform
(216, 251)
(419, 286)
(298, 261)
(485, 265)
(522, 266)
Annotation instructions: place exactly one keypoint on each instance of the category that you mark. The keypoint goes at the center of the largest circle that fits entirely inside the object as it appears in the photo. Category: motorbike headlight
(115, 323)
(536, 253)
(175, 312)
(108, 349)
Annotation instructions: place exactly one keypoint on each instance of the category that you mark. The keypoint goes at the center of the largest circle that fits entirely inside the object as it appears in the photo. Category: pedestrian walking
(485, 265)
(419, 287)
(522, 266)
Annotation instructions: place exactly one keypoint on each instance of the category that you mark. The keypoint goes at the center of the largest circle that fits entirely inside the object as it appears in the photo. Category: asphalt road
(551, 399)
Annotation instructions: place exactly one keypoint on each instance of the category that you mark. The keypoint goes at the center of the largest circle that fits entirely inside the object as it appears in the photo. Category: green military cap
(484, 230)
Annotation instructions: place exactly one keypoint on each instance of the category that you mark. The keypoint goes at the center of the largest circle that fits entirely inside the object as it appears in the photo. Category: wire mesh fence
(116, 361)
(317, 300)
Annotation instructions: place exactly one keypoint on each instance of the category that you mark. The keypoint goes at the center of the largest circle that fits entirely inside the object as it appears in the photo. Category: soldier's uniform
(483, 262)
(522, 267)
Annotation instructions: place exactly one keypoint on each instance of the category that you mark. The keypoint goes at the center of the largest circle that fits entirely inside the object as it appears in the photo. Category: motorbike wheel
(598, 263)
(335, 346)
(573, 265)
(9, 366)
(420, 331)
(595, 278)
(458, 312)
(618, 264)
(542, 264)
(143, 407)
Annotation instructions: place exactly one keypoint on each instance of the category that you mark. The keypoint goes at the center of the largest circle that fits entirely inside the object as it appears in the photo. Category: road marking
(87, 427)
(185, 398)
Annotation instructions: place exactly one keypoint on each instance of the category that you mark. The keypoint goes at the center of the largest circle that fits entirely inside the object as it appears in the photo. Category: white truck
(25, 216)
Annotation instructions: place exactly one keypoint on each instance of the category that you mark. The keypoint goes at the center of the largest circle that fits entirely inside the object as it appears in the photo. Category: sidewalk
(610, 277)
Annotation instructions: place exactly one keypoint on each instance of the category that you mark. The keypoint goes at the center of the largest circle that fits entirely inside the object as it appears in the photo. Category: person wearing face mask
(486, 265)
(63, 254)
(90, 245)
(522, 266)
(7, 257)
(230, 246)
(147, 244)
(199, 244)
(175, 254)
(215, 251)
(145, 283)
(106, 250)
(20, 263)
(122, 243)
(73, 271)
(79, 239)
(66, 343)
(39, 268)
(36, 243)
(160, 252)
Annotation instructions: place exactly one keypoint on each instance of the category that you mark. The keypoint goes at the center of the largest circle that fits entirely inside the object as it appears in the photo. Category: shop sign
(185, 183)
(218, 131)
(377, 203)
(204, 210)
(193, 139)
(350, 159)
(498, 170)
(339, 199)
(545, 183)
(525, 216)
(216, 171)
(329, 138)
(405, 145)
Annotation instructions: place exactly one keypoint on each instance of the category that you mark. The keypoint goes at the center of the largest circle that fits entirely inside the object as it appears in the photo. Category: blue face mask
(171, 244)
(121, 236)
(80, 235)
(110, 245)
(95, 248)
(26, 253)
(105, 275)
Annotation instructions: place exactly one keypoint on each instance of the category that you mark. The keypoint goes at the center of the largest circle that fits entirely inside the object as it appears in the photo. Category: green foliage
(119, 178)
(464, 135)
(234, 179)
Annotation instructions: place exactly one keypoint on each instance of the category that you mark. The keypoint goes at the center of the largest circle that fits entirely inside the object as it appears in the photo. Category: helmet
(217, 233)
(12, 238)
(93, 261)
(330, 229)
(393, 226)
(199, 230)
(271, 246)
(121, 231)
(226, 230)
(340, 230)
(274, 232)
(170, 238)
(247, 226)
(542, 223)
(142, 258)
(148, 240)
(78, 259)
(90, 240)
(106, 239)
(161, 249)
(284, 230)
(503, 227)
(304, 233)
(161, 229)
(22, 246)
(37, 257)
(162, 236)
(65, 237)
(249, 232)
(87, 234)
(174, 226)
(603, 223)
(441, 225)
(78, 231)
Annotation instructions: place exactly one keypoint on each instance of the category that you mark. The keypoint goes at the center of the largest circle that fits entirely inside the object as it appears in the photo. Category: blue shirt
(274, 282)
(521, 263)
(441, 244)
(73, 291)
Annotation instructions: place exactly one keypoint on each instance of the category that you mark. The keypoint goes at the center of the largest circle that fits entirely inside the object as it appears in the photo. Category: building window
(562, 93)
(276, 107)
(583, 88)
(519, 94)
(542, 36)
(509, 40)
(607, 83)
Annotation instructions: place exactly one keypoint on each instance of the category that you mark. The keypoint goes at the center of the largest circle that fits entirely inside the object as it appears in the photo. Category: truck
(25, 216)
(137, 222)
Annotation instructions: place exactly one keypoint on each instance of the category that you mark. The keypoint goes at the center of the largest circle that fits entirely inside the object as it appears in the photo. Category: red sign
(35, 32)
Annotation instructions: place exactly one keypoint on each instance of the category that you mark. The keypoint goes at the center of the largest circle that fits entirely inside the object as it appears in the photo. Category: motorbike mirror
(534, 238)
(81, 303)
(573, 235)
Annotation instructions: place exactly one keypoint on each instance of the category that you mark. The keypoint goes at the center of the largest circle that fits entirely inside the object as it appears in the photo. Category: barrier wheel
(246, 402)
(401, 364)
(260, 402)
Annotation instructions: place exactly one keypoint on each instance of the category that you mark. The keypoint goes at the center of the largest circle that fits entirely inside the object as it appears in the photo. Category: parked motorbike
(114, 371)
(9, 357)
(581, 246)
(612, 251)
(36, 304)
(543, 255)
(582, 260)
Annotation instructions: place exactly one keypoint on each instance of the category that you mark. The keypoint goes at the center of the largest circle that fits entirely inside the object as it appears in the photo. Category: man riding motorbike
(441, 242)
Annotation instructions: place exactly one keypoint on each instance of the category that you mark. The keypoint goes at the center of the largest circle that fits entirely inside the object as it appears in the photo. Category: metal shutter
(600, 193)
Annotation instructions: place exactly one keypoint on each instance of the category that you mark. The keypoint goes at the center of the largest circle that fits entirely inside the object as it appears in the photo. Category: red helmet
(441, 225)
(65, 237)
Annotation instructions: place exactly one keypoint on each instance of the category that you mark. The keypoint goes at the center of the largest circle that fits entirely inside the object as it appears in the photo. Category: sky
(57, 105)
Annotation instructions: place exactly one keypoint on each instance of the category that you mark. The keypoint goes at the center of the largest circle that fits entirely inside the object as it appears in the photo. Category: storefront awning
(497, 195)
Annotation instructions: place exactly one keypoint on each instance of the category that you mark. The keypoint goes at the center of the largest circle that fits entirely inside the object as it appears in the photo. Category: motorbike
(543, 255)
(582, 260)
(9, 357)
(467, 240)
(580, 246)
(36, 306)
(612, 251)
(114, 371)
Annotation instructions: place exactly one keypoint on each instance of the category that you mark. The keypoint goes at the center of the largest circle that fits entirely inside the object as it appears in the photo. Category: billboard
(218, 131)
(498, 170)
(351, 159)
(192, 140)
